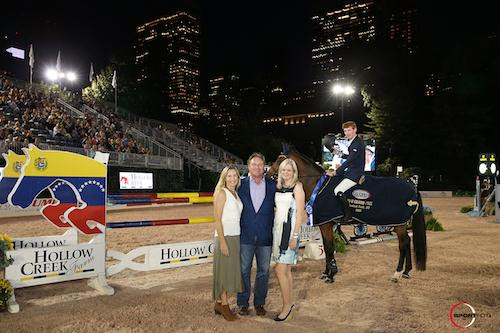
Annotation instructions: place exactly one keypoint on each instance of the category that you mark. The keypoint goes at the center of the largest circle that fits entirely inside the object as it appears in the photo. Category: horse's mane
(309, 161)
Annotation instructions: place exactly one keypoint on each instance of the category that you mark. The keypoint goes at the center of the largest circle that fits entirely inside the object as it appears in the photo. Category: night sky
(245, 38)
(236, 38)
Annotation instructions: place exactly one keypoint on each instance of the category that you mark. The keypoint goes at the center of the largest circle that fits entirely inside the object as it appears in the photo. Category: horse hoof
(405, 275)
(323, 276)
(329, 279)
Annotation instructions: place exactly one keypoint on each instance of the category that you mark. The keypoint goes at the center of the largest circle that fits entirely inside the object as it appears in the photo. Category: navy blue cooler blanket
(378, 201)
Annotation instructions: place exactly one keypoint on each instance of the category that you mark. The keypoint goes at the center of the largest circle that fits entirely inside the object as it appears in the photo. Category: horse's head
(10, 173)
(309, 171)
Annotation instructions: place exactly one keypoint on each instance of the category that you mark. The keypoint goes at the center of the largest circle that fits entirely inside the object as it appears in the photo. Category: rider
(353, 167)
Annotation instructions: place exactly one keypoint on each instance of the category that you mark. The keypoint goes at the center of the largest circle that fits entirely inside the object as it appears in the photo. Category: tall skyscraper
(402, 28)
(335, 33)
(224, 97)
(168, 56)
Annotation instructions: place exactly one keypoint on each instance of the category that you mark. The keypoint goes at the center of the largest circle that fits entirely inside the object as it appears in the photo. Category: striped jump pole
(155, 223)
(160, 198)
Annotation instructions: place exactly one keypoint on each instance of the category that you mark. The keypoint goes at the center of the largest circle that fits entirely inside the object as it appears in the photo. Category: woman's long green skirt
(227, 270)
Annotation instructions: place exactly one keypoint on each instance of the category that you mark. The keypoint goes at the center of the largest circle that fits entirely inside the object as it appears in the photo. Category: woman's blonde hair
(223, 177)
(295, 178)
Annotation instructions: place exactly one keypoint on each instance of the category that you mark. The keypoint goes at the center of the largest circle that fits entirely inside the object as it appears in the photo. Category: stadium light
(342, 90)
(348, 90)
(71, 76)
(338, 89)
(52, 74)
(487, 164)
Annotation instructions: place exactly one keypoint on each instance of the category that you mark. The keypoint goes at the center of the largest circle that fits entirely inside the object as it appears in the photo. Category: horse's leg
(403, 246)
(329, 247)
(408, 263)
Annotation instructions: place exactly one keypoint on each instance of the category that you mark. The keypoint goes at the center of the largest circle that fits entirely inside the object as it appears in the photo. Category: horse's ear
(286, 148)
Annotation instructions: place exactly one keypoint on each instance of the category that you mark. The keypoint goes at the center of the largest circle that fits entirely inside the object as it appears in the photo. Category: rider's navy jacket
(257, 227)
(354, 165)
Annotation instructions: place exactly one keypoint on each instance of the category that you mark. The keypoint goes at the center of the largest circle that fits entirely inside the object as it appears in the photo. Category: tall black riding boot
(347, 210)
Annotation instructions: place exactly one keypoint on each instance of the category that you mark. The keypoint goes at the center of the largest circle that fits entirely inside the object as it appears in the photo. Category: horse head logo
(76, 181)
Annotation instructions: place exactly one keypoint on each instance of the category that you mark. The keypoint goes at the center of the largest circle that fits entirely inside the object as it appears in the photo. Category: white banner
(36, 266)
(162, 256)
(309, 233)
(136, 180)
(70, 237)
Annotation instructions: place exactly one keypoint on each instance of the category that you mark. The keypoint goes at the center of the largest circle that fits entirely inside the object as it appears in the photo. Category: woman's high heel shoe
(277, 318)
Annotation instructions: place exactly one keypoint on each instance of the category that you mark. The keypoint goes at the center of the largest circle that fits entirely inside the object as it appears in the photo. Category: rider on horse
(353, 167)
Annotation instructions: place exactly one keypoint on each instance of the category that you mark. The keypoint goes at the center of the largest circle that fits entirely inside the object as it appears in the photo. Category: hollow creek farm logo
(49, 261)
(463, 315)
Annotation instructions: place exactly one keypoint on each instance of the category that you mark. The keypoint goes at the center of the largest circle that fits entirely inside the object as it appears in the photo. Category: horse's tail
(419, 236)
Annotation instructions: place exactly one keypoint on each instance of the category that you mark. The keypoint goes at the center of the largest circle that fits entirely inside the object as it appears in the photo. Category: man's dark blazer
(257, 227)
(354, 165)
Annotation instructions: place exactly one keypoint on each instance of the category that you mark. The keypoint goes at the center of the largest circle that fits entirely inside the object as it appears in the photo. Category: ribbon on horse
(310, 203)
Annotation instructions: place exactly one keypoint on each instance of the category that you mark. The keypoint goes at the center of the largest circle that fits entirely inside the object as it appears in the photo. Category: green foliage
(463, 193)
(434, 225)
(6, 244)
(411, 171)
(5, 293)
(466, 209)
(340, 245)
(388, 167)
(100, 88)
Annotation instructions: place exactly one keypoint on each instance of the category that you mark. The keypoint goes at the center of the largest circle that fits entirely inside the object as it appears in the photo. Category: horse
(327, 211)
(80, 189)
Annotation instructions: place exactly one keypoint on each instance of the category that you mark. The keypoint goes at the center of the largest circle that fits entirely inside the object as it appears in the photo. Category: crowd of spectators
(28, 116)
(207, 147)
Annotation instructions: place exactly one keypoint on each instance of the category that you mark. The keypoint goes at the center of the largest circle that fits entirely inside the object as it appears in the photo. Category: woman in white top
(288, 218)
(226, 268)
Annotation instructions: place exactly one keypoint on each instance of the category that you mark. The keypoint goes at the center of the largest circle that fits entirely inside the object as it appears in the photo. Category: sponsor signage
(136, 181)
(36, 266)
(180, 254)
(308, 233)
(70, 237)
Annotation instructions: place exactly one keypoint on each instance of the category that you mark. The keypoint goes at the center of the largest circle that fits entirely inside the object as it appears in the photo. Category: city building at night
(168, 56)
(224, 99)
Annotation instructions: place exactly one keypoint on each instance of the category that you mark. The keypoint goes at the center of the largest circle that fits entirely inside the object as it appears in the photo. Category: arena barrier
(78, 186)
(164, 256)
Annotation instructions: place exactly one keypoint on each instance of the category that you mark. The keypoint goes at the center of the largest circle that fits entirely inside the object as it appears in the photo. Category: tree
(100, 89)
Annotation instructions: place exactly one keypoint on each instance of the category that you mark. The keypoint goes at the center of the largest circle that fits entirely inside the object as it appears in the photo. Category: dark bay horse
(395, 204)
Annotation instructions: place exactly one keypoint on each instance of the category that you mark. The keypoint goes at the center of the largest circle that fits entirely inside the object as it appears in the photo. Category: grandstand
(33, 115)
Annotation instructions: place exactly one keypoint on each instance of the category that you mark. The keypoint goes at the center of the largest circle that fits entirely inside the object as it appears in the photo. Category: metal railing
(88, 109)
(115, 158)
(71, 109)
